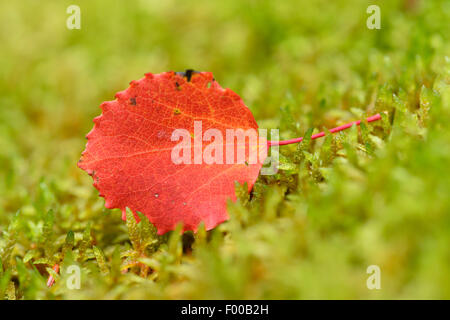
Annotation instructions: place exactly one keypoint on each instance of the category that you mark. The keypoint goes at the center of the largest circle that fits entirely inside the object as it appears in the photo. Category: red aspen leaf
(129, 150)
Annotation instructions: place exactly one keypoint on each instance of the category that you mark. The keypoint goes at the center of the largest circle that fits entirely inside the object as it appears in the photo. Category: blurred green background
(378, 197)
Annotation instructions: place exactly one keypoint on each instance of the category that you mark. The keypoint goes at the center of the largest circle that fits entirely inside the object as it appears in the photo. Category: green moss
(378, 195)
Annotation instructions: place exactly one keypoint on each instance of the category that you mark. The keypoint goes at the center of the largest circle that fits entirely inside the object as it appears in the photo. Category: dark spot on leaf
(177, 85)
(161, 134)
(187, 74)
(133, 101)
(177, 111)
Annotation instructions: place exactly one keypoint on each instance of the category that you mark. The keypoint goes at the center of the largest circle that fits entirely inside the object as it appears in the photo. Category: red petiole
(51, 280)
(321, 134)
